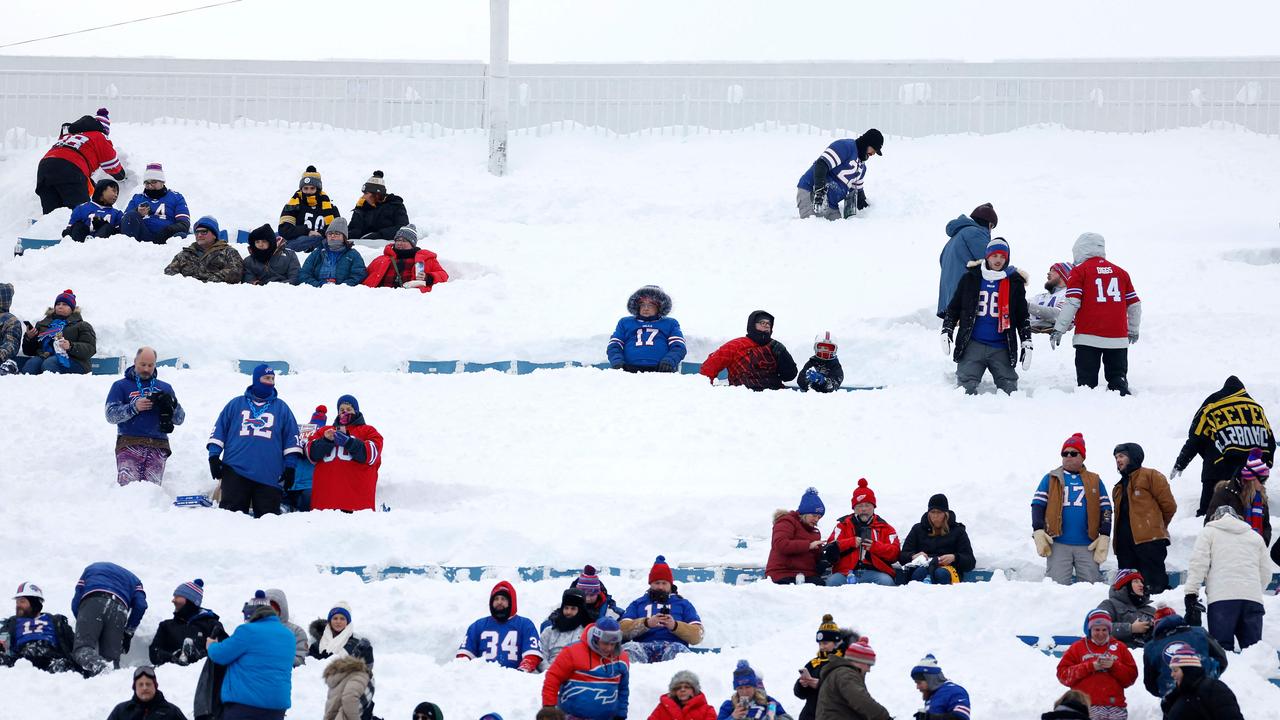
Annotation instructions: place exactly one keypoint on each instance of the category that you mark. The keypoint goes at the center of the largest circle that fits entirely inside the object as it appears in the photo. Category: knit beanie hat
(430, 709)
(606, 629)
(1097, 616)
(863, 494)
(1185, 657)
(1076, 442)
(860, 651)
(349, 400)
(320, 417)
(207, 222)
(154, 171)
(311, 177)
(1125, 576)
(339, 225)
(828, 631)
(1254, 468)
(408, 232)
(939, 502)
(929, 671)
(872, 138)
(375, 184)
(258, 600)
(685, 677)
(341, 608)
(743, 676)
(104, 120)
(998, 246)
(660, 570)
(1163, 611)
(588, 581)
(66, 296)
(985, 214)
(193, 591)
(811, 504)
(260, 389)
(1063, 268)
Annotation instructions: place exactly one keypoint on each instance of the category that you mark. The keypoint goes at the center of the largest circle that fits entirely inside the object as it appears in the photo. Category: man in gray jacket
(280, 604)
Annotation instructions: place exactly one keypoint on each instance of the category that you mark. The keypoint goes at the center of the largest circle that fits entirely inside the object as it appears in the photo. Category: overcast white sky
(657, 30)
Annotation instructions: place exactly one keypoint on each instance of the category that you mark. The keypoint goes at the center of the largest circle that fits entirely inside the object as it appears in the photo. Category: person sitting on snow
(269, 260)
(563, 626)
(660, 624)
(157, 213)
(648, 339)
(337, 263)
(598, 603)
(937, 550)
(684, 700)
(305, 217)
(863, 547)
(181, 639)
(503, 636)
(43, 639)
(1129, 605)
(377, 215)
(209, 258)
(756, 361)
(822, 372)
(98, 217)
(405, 265)
(750, 701)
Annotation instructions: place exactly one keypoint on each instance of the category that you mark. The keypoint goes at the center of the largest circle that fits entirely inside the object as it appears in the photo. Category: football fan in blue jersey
(837, 174)
(98, 217)
(44, 639)
(254, 449)
(660, 624)
(647, 340)
(503, 637)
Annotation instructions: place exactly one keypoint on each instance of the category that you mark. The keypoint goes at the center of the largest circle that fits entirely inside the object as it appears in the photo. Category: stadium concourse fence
(904, 99)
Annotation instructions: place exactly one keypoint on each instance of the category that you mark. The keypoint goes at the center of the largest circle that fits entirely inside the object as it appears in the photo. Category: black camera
(164, 404)
(864, 533)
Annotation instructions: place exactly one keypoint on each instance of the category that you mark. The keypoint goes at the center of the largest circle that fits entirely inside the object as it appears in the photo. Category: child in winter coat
(305, 217)
(797, 544)
(1099, 666)
(404, 264)
(832, 640)
(337, 263)
(756, 361)
(98, 217)
(750, 701)
(823, 372)
(684, 700)
(268, 260)
(648, 339)
(348, 680)
(563, 626)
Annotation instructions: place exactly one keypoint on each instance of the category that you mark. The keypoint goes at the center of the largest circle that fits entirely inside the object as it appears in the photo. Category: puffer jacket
(220, 263)
(695, 709)
(756, 361)
(349, 697)
(1231, 560)
(382, 221)
(1105, 688)
(1146, 495)
(880, 555)
(789, 553)
(387, 270)
(955, 542)
(84, 341)
(585, 684)
(1125, 610)
(348, 268)
(10, 325)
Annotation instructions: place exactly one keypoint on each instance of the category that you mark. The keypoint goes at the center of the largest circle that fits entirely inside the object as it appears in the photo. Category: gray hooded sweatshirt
(1091, 245)
(277, 596)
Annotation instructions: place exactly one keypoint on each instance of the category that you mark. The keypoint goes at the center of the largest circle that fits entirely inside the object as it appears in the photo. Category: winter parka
(963, 309)
(278, 598)
(220, 263)
(387, 270)
(281, 267)
(348, 268)
(1171, 631)
(1125, 610)
(10, 325)
(1105, 688)
(1231, 560)
(756, 361)
(585, 684)
(259, 660)
(380, 221)
(954, 542)
(1200, 698)
(809, 695)
(190, 623)
(880, 555)
(789, 552)
(348, 680)
(83, 339)
(695, 709)
(157, 709)
(843, 694)
(967, 241)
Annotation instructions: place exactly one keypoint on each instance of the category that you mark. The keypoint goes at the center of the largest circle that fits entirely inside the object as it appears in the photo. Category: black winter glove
(1195, 610)
(215, 467)
(666, 366)
(861, 201)
(429, 279)
(126, 642)
(286, 478)
(820, 199)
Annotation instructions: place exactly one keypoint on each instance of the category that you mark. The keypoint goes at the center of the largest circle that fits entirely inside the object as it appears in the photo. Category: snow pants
(804, 202)
(240, 494)
(1072, 563)
(99, 632)
(60, 184)
(979, 357)
(140, 463)
(1114, 360)
(1236, 620)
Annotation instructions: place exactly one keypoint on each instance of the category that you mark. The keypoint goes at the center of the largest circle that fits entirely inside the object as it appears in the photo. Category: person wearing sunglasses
(1071, 518)
(209, 258)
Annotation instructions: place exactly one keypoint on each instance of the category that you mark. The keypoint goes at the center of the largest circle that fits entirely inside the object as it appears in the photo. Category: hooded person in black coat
(377, 215)
(1197, 697)
(1224, 419)
(937, 549)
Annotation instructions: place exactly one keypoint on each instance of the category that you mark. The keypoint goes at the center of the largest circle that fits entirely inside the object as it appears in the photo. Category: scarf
(1256, 513)
(1003, 322)
(334, 645)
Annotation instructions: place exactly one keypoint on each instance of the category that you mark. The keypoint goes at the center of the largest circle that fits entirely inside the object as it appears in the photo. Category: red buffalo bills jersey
(1105, 294)
(341, 483)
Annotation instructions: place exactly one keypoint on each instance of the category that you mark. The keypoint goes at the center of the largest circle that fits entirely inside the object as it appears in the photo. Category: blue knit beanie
(743, 676)
(260, 389)
(350, 399)
(811, 504)
(341, 609)
(193, 591)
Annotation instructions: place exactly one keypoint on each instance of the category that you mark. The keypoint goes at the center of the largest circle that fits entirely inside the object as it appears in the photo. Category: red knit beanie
(660, 570)
(861, 652)
(1075, 441)
(863, 494)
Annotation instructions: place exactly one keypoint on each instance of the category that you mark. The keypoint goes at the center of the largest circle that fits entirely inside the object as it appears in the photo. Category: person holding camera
(144, 410)
(660, 624)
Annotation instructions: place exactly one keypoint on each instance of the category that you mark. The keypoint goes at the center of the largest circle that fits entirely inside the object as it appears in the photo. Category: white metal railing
(905, 99)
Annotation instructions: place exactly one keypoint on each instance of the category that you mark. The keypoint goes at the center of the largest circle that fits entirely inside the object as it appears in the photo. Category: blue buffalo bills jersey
(162, 212)
(96, 216)
(645, 343)
(846, 174)
(505, 643)
(36, 629)
(681, 611)
(256, 439)
(949, 700)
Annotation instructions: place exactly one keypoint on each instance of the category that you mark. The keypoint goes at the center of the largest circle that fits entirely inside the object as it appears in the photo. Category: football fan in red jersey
(1106, 311)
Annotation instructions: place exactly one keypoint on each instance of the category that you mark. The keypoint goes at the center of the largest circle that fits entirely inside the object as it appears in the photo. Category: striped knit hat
(104, 120)
(1254, 468)
(320, 417)
(1096, 616)
(154, 171)
(311, 177)
(1062, 268)
(1124, 577)
(66, 296)
(193, 591)
(1184, 657)
(588, 581)
(861, 652)
(375, 184)
(998, 246)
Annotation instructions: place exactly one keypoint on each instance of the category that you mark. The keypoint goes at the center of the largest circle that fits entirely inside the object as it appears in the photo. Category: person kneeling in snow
(863, 547)
(684, 700)
(991, 308)
(503, 636)
(660, 624)
(944, 699)
(98, 217)
(43, 639)
(823, 372)
(937, 550)
(750, 701)
(347, 457)
(404, 264)
(1101, 667)
(209, 258)
(756, 361)
(838, 172)
(181, 639)
(591, 679)
(647, 340)
(563, 626)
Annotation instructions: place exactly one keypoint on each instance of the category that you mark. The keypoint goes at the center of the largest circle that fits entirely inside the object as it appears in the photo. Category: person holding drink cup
(405, 265)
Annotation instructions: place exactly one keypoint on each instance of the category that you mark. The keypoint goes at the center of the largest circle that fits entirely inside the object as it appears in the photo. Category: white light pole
(496, 85)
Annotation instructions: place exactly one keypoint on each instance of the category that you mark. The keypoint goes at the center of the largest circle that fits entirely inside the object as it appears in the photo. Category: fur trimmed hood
(339, 669)
(652, 291)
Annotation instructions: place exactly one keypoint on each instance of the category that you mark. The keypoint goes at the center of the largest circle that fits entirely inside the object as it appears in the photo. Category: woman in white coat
(1231, 560)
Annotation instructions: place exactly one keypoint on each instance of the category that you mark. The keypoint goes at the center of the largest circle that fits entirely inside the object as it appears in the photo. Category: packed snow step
(736, 574)
(25, 243)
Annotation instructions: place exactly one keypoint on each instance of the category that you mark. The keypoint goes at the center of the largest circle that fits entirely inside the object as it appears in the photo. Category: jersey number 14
(1110, 291)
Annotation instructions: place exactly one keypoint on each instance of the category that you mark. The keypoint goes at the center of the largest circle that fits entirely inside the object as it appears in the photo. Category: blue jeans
(1236, 620)
(35, 366)
(859, 577)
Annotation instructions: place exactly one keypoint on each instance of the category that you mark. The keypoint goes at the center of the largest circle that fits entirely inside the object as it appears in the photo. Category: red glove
(529, 664)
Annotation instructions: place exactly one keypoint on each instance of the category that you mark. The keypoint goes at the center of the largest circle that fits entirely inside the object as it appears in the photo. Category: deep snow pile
(573, 466)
